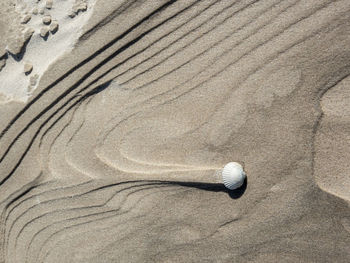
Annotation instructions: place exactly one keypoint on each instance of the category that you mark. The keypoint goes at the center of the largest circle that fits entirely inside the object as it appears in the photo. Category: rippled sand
(115, 117)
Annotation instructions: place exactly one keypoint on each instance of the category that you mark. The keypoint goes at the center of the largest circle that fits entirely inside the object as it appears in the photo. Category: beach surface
(116, 117)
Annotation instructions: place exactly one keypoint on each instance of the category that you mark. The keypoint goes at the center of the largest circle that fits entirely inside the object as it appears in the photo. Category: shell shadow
(234, 194)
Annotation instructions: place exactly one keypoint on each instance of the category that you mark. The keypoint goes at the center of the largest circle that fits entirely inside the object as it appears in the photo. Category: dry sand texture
(38, 34)
(123, 96)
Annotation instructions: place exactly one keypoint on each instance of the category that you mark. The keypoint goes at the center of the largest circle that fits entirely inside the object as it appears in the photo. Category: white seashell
(233, 175)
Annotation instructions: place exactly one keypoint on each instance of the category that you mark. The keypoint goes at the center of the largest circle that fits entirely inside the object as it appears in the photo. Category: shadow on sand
(234, 194)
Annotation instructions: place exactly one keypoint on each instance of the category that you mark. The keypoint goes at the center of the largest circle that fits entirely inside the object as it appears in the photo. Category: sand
(117, 116)
(36, 41)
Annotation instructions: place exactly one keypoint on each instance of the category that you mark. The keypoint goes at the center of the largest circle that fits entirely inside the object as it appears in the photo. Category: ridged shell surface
(233, 175)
